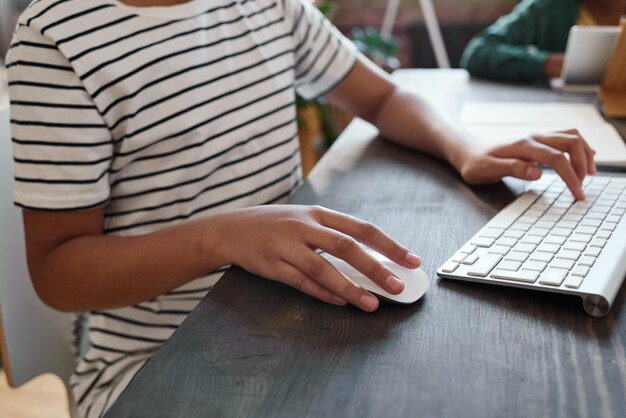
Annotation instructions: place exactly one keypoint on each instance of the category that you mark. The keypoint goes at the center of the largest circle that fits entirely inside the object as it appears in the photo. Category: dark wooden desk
(257, 348)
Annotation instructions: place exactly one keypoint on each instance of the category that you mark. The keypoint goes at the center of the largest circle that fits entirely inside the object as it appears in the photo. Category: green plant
(381, 49)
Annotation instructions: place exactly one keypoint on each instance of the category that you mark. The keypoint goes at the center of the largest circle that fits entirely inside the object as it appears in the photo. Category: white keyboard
(546, 241)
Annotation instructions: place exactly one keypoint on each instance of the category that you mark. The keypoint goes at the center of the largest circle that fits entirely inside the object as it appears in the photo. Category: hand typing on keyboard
(523, 158)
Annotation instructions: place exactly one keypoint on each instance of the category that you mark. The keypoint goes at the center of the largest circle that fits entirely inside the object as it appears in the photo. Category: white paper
(510, 121)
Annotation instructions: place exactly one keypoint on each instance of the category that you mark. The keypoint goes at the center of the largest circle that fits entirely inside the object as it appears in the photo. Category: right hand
(279, 242)
(553, 66)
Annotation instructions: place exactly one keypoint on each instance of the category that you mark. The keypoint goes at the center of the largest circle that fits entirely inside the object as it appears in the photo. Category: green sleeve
(507, 49)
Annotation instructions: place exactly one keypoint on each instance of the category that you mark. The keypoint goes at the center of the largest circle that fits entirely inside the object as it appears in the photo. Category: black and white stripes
(162, 115)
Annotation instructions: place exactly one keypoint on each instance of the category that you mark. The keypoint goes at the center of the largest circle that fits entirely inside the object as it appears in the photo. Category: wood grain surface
(253, 347)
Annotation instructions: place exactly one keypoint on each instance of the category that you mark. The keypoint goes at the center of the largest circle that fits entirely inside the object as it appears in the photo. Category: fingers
(581, 155)
(534, 150)
(369, 234)
(348, 249)
(319, 269)
(502, 167)
(589, 152)
(290, 275)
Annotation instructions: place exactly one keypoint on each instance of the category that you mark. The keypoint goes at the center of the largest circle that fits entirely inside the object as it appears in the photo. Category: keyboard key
(591, 222)
(574, 282)
(602, 208)
(482, 242)
(548, 248)
(598, 242)
(553, 277)
(577, 211)
(603, 233)
(512, 233)
(554, 239)
(458, 257)
(449, 267)
(590, 230)
(507, 241)
(470, 259)
(541, 256)
(593, 252)
(519, 276)
(613, 218)
(468, 249)
(586, 238)
(580, 271)
(545, 224)
(521, 226)
(549, 217)
(586, 261)
(572, 217)
(566, 224)
(568, 255)
(574, 245)
(517, 256)
(528, 219)
(535, 212)
(531, 239)
(491, 232)
(594, 215)
(609, 226)
(540, 232)
(562, 264)
(509, 265)
(564, 232)
(535, 265)
(525, 247)
(484, 265)
(499, 249)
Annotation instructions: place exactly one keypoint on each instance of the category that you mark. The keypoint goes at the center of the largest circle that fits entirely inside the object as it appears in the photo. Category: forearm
(102, 272)
(407, 119)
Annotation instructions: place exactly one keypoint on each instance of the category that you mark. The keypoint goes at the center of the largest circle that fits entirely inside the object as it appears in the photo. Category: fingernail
(413, 259)
(368, 302)
(532, 171)
(394, 284)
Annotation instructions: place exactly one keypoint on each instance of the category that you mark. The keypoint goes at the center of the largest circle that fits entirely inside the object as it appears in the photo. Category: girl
(155, 140)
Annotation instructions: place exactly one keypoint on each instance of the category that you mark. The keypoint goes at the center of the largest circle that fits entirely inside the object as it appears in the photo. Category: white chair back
(34, 338)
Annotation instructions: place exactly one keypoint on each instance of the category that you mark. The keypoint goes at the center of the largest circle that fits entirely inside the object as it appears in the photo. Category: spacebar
(484, 265)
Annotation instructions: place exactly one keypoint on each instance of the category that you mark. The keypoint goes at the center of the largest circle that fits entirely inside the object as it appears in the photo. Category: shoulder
(59, 17)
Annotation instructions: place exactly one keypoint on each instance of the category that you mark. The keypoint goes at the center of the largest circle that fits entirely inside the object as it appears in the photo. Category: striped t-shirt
(162, 115)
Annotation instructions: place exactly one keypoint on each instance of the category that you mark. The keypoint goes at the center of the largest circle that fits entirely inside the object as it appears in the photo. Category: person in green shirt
(529, 42)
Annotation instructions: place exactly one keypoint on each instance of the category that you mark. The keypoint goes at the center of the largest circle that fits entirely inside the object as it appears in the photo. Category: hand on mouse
(522, 158)
(279, 242)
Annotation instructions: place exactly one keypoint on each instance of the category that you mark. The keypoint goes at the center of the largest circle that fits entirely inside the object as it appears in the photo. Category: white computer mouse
(415, 281)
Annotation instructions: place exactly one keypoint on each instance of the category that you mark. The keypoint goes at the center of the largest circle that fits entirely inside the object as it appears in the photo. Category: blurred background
(459, 20)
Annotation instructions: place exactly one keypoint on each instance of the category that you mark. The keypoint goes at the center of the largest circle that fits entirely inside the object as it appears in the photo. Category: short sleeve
(324, 57)
(62, 147)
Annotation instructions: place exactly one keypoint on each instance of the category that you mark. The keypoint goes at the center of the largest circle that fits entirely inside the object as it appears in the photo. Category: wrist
(456, 153)
(214, 243)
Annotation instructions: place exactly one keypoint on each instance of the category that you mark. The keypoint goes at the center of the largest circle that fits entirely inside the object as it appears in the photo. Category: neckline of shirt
(178, 11)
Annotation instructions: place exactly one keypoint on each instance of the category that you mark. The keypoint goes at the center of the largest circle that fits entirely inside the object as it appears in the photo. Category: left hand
(523, 158)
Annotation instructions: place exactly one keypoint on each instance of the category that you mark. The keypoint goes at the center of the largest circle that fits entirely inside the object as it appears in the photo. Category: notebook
(500, 121)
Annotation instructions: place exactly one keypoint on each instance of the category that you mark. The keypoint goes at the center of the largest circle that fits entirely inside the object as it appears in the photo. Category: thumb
(521, 169)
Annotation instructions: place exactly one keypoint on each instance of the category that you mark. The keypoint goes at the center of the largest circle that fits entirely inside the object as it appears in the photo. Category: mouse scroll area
(415, 281)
